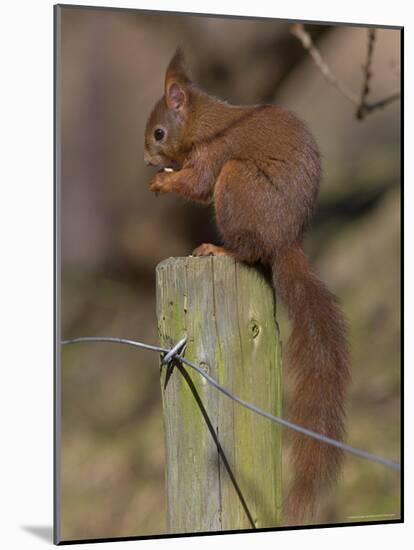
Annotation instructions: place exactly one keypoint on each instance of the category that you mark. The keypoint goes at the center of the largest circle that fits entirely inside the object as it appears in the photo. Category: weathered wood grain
(227, 310)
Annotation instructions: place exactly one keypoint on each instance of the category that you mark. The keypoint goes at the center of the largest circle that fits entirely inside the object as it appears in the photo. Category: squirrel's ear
(175, 96)
(176, 81)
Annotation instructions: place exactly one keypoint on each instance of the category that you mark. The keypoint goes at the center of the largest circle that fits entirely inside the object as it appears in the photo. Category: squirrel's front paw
(160, 183)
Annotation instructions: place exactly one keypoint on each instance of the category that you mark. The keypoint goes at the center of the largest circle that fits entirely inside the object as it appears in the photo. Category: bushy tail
(317, 358)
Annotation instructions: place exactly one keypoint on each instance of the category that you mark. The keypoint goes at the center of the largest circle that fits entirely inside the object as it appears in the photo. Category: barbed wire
(175, 353)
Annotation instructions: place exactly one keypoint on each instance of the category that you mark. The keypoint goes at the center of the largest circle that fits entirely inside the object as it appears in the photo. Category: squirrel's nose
(147, 159)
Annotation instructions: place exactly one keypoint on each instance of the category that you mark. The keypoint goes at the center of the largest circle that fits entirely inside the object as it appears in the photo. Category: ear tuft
(177, 69)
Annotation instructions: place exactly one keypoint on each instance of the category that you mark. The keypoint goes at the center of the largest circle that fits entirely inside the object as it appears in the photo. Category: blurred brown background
(114, 232)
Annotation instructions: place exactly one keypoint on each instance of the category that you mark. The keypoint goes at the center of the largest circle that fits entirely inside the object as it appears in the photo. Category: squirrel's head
(166, 127)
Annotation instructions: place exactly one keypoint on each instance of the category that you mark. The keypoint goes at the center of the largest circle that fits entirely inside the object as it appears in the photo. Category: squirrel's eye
(159, 134)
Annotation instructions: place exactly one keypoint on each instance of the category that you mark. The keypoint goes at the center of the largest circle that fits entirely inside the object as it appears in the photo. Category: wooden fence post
(223, 462)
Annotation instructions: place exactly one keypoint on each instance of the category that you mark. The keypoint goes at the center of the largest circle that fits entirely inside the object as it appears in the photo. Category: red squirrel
(260, 167)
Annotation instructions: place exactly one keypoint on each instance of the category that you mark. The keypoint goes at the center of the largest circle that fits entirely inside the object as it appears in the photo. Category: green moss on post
(227, 311)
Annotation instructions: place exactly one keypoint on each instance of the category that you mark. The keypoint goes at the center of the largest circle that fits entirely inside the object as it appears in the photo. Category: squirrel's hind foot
(207, 249)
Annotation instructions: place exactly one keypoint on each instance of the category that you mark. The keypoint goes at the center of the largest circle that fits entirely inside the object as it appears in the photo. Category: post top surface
(180, 260)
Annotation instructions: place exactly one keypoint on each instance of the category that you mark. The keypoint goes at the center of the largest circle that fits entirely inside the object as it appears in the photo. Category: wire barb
(174, 353)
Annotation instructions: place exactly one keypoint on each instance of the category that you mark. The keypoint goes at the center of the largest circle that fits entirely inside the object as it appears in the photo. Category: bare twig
(363, 107)
(298, 30)
(382, 102)
(361, 111)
